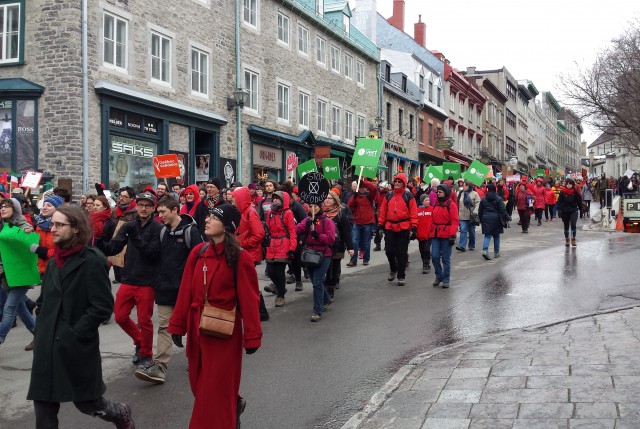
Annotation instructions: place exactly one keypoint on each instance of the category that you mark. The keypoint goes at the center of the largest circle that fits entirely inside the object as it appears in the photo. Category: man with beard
(211, 200)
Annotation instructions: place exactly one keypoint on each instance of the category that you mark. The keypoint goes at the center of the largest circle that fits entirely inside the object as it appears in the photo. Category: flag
(14, 180)
(476, 173)
(3, 179)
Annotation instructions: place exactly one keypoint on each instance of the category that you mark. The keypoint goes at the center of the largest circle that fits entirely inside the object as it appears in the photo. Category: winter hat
(17, 210)
(423, 197)
(17, 191)
(215, 182)
(336, 190)
(278, 195)
(435, 182)
(336, 198)
(54, 200)
(401, 176)
(150, 190)
(446, 188)
(295, 190)
(147, 196)
(491, 187)
(236, 184)
(228, 214)
(252, 186)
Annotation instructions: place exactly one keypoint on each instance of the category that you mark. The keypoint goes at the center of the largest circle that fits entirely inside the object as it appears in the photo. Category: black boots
(264, 314)
(426, 267)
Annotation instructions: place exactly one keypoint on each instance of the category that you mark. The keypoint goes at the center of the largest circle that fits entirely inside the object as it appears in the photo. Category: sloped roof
(602, 138)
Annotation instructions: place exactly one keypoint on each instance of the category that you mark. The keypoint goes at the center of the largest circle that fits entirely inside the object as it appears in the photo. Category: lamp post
(240, 97)
(379, 121)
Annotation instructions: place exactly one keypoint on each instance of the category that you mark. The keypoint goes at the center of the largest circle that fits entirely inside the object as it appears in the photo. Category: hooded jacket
(196, 200)
(17, 220)
(395, 214)
(282, 231)
(250, 232)
(362, 204)
(444, 219)
(539, 193)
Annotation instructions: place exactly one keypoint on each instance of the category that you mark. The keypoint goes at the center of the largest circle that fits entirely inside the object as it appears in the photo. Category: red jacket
(282, 231)
(539, 192)
(196, 200)
(549, 196)
(326, 234)
(444, 221)
(362, 205)
(521, 199)
(250, 231)
(425, 219)
(396, 215)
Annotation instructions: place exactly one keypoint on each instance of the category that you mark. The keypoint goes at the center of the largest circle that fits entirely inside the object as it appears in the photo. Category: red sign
(321, 153)
(165, 166)
(292, 162)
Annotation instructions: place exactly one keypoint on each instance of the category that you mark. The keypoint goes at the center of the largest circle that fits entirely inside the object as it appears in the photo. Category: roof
(20, 87)
(271, 135)
(337, 6)
(602, 138)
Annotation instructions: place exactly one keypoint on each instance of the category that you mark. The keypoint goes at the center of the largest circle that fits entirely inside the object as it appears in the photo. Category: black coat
(491, 212)
(344, 240)
(74, 301)
(568, 204)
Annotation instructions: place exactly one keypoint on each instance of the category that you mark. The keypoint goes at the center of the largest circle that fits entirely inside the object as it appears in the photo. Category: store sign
(133, 122)
(265, 156)
(132, 149)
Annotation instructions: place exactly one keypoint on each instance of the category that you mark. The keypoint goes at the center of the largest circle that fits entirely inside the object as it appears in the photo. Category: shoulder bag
(310, 258)
(214, 321)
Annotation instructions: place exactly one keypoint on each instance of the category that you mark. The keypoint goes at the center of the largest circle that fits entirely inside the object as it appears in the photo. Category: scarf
(568, 191)
(122, 210)
(212, 201)
(332, 212)
(98, 219)
(44, 223)
(60, 256)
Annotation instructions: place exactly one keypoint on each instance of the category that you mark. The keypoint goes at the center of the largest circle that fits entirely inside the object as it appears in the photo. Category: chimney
(420, 32)
(471, 70)
(397, 19)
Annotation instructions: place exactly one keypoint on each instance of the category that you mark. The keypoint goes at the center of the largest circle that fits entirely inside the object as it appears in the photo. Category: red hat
(336, 190)
(295, 189)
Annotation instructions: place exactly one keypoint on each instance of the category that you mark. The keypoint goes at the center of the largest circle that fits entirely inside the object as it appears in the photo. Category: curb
(381, 396)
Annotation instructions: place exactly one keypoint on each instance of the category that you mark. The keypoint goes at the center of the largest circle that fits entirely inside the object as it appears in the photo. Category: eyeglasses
(125, 197)
(398, 181)
(58, 225)
(6, 206)
(145, 206)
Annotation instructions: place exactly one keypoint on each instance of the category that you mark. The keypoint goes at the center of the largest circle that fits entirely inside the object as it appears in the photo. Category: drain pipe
(239, 106)
(85, 100)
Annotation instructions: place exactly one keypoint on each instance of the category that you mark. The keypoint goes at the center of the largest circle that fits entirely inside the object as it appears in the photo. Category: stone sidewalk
(583, 373)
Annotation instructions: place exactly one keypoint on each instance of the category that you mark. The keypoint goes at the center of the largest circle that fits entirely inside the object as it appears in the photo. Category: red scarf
(568, 191)
(60, 256)
(98, 219)
(120, 212)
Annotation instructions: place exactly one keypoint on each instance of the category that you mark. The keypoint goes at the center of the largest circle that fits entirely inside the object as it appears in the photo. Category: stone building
(572, 140)
(551, 108)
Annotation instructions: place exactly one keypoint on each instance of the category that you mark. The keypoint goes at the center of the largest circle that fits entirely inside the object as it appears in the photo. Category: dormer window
(345, 23)
(320, 7)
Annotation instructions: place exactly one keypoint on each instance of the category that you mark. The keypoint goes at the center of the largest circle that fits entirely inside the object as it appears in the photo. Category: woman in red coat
(192, 198)
(215, 364)
(522, 198)
(539, 193)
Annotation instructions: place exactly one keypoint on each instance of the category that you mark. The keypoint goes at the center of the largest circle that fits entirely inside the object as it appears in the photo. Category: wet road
(316, 375)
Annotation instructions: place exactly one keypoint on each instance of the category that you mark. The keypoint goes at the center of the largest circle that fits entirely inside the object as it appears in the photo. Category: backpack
(186, 232)
(266, 241)
(406, 196)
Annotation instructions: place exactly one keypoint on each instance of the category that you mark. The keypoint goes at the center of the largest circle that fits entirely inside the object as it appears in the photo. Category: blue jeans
(441, 258)
(467, 228)
(320, 294)
(496, 242)
(15, 305)
(361, 236)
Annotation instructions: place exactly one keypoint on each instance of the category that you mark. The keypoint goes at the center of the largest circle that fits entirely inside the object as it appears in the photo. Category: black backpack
(406, 196)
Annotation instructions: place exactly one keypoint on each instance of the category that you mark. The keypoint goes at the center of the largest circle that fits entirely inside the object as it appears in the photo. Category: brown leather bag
(214, 321)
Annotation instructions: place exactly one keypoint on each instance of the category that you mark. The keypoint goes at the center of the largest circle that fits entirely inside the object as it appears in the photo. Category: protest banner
(307, 167)
(166, 166)
(313, 188)
(20, 265)
(331, 168)
(476, 173)
(433, 172)
(450, 169)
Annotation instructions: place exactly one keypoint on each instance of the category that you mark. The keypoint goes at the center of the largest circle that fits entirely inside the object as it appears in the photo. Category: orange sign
(322, 152)
(166, 166)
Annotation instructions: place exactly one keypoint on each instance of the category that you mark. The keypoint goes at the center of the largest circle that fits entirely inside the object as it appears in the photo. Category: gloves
(315, 234)
(177, 340)
(291, 254)
(309, 222)
(251, 350)
(452, 241)
(41, 251)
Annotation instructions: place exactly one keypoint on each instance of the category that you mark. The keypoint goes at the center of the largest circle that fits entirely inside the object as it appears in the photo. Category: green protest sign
(450, 169)
(540, 173)
(306, 167)
(331, 168)
(476, 173)
(20, 265)
(367, 153)
(369, 172)
(433, 172)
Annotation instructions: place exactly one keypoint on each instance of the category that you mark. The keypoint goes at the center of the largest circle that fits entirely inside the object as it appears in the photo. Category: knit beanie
(423, 197)
(228, 214)
(54, 200)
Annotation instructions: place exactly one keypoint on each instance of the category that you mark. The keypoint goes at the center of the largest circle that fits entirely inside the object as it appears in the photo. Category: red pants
(141, 297)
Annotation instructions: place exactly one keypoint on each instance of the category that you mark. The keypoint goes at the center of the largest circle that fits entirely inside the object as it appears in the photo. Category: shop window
(11, 32)
(115, 42)
(18, 140)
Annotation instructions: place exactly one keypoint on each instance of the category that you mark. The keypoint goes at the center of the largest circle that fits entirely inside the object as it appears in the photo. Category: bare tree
(606, 95)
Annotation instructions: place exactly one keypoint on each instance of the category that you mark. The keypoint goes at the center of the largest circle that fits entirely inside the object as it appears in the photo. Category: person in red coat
(550, 203)
(425, 220)
(539, 193)
(192, 198)
(522, 200)
(364, 218)
(444, 226)
(399, 218)
(215, 364)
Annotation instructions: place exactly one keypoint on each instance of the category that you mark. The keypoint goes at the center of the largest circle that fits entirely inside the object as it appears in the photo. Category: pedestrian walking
(468, 202)
(425, 219)
(222, 275)
(493, 218)
(587, 196)
(540, 202)
(75, 298)
(569, 203)
(399, 218)
(383, 189)
(550, 203)
(524, 205)
(443, 235)
(318, 233)
(102, 224)
(125, 212)
(343, 242)
(361, 204)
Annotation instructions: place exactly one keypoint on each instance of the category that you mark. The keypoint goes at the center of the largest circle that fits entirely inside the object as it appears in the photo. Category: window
(361, 126)
(283, 29)
(336, 114)
(510, 146)
(303, 40)
(411, 123)
(510, 118)
(19, 135)
(322, 116)
(421, 82)
(400, 120)
(388, 116)
(348, 66)
(199, 72)
(251, 85)
(335, 59)
(345, 23)
(439, 100)
(283, 102)
(430, 134)
(511, 91)
(404, 84)
(114, 41)
(470, 113)
(360, 72)
(431, 92)
(251, 12)
(321, 50)
(303, 109)
(160, 58)
(320, 7)
(11, 41)
(461, 107)
(348, 125)
(452, 103)
(387, 72)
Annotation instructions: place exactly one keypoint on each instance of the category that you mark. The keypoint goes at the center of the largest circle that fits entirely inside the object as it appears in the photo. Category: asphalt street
(317, 375)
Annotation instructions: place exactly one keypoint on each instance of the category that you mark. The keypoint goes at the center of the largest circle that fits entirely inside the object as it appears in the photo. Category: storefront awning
(402, 158)
(269, 136)
(338, 153)
(13, 87)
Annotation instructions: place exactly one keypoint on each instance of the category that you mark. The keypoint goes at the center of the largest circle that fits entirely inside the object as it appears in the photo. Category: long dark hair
(77, 219)
(231, 247)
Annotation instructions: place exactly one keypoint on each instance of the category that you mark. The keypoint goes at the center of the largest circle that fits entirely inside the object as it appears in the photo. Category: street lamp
(240, 97)
(379, 121)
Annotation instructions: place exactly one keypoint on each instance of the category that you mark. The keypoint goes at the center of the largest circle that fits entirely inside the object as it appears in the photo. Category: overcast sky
(533, 39)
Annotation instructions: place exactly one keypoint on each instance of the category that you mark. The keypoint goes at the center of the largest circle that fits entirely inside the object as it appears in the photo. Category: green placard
(476, 173)
(20, 265)
(540, 173)
(433, 172)
(369, 172)
(307, 167)
(367, 153)
(450, 169)
(331, 168)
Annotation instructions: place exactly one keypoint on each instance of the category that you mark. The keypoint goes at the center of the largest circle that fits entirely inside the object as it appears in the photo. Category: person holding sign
(399, 218)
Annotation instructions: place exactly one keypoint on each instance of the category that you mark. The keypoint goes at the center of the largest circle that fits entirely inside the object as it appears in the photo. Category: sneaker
(445, 285)
(377, 248)
(315, 317)
(392, 276)
(136, 356)
(125, 421)
(145, 362)
(471, 249)
(280, 301)
(436, 282)
(460, 249)
(351, 264)
(298, 286)
(400, 282)
(29, 347)
(426, 268)
(496, 255)
(271, 288)
(365, 263)
(153, 374)
(291, 279)
(485, 255)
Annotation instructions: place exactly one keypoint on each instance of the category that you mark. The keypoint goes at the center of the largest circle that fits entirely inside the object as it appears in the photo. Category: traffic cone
(619, 223)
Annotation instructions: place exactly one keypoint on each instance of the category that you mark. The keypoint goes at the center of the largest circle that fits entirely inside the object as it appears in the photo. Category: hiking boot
(280, 301)
(496, 255)
(351, 264)
(271, 288)
(573, 242)
(298, 286)
(426, 268)
(400, 282)
(566, 242)
(124, 421)
(136, 356)
(377, 248)
(365, 263)
(291, 279)
(445, 285)
(392, 276)
(485, 255)
(315, 317)
(153, 374)
(436, 282)
(145, 362)
(240, 406)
